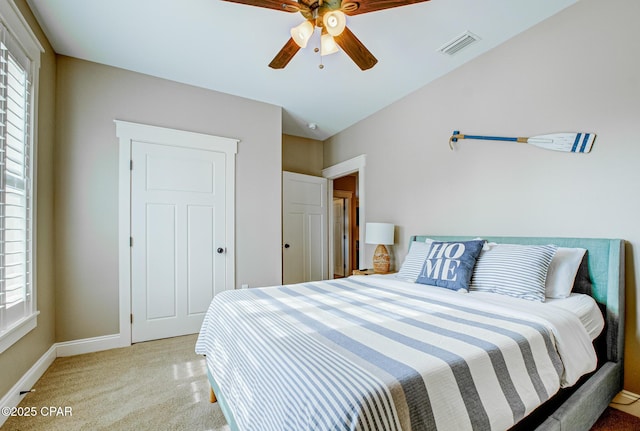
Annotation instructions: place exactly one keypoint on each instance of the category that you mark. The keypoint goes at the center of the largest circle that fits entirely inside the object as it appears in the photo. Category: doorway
(352, 172)
(341, 237)
(176, 228)
(345, 225)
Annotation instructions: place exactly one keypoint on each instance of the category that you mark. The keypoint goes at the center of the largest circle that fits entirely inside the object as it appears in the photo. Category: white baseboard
(13, 397)
(88, 345)
(626, 397)
(66, 348)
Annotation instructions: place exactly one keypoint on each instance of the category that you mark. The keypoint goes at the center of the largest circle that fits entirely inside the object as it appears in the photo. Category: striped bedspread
(377, 353)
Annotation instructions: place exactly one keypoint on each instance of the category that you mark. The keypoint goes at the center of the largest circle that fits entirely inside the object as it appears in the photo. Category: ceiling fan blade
(357, 7)
(285, 55)
(355, 49)
(283, 5)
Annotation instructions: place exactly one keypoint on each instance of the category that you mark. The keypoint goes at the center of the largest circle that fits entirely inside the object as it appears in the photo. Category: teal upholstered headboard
(606, 269)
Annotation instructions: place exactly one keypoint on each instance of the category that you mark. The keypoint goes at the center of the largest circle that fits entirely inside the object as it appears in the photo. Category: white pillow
(414, 261)
(562, 272)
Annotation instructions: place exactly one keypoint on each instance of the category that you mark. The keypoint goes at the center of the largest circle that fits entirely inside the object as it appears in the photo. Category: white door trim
(128, 132)
(356, 164)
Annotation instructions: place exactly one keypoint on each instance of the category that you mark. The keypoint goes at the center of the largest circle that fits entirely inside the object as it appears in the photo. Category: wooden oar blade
(567, 142)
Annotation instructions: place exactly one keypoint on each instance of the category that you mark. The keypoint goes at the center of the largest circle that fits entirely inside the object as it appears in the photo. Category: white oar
(568, 142)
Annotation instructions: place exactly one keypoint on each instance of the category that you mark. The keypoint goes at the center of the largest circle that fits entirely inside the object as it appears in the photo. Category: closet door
(178, 232)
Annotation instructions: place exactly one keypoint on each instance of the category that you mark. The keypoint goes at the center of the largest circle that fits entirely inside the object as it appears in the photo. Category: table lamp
(381, 234)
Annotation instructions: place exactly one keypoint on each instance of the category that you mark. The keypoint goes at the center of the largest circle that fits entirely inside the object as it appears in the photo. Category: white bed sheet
(585, 307)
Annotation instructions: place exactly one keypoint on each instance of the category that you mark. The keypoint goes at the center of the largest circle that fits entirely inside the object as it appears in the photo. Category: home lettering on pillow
(450, 264)
(443, 261)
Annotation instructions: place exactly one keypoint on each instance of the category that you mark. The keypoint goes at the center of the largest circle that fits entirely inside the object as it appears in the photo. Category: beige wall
(90, 96)
(302, 155)
(17, 360)
(577, 71)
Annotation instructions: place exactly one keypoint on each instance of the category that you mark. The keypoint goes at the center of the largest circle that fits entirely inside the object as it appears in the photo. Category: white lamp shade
(334, 21)
(302, 33)
(379, 233)
(327, 45)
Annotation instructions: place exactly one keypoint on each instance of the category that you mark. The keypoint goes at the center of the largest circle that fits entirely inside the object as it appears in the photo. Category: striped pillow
(513, 270)
(412, 264)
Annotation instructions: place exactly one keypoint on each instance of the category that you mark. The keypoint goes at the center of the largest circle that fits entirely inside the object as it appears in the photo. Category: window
(18, 68)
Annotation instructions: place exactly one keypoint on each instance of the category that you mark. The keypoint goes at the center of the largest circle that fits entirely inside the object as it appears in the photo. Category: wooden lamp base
(381, 260)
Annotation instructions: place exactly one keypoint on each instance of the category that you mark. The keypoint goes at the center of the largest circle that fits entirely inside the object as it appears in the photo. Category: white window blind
(16, 294)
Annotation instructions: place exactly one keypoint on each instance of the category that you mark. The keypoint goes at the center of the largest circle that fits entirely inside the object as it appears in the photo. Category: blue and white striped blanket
(377, 353)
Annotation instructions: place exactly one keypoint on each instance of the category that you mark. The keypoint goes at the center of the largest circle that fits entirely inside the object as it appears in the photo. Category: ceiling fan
(329, 17)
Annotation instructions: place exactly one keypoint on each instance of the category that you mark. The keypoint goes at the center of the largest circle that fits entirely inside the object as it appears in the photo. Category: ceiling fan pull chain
(317, 50)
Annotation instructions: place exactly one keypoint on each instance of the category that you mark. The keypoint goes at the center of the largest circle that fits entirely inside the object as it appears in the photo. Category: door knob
(220, 250)
(287, 246)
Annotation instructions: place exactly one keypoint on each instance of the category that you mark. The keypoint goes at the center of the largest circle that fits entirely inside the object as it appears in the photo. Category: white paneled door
(178, 238)
(305, 239)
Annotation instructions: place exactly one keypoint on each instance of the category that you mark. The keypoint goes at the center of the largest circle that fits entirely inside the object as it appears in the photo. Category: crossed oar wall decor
(567, 142)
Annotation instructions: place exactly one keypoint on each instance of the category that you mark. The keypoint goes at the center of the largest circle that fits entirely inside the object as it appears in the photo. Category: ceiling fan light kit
(328, 44)
(302, 33)
(334, 21)
(330, 17)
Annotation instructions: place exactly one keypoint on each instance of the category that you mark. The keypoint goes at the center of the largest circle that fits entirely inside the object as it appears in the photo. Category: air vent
(459, 43)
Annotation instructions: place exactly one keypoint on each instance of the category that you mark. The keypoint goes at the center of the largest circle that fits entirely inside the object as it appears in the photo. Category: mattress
(377, 353)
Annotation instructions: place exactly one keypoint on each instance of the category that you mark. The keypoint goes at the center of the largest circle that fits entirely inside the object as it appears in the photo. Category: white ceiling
(226, 47)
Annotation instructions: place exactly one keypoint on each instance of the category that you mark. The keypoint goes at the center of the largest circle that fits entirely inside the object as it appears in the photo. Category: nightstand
(363, 272)
(368, 272)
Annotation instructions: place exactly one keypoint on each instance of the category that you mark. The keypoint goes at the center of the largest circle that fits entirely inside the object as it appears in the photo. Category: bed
(382, 353)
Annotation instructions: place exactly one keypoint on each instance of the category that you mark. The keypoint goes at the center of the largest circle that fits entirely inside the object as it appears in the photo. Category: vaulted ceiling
(227, 47)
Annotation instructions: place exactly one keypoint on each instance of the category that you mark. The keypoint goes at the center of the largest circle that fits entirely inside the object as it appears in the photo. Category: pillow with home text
(450, 264)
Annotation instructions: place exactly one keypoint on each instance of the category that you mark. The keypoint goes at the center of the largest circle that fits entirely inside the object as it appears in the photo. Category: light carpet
(156, 385)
